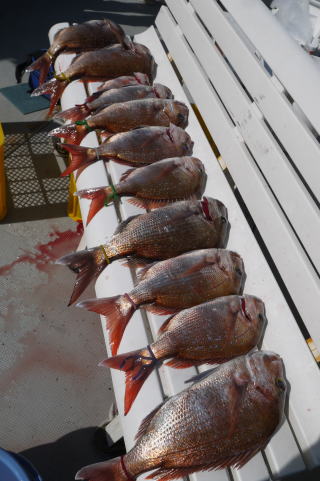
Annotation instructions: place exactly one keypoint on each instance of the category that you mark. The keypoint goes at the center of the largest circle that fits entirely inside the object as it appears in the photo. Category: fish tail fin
(86, 265)
(42, 64)
(137, 365)
(118, 311)
(79, 157)
(72, 133)
(112, 470)
(98, 196)
(55, 88)
(78, 112)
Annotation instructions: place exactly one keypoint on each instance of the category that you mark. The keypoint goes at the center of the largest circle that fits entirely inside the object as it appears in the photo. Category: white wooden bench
(243, 72)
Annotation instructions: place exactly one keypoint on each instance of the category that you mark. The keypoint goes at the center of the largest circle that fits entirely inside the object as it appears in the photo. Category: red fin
(93, 96)
(111, 470)
(180, 363)
(98, 197)
(79, 157)
(126, 174)
(138, 365)
(142, 274)
(42, 64)
(165, 325)
(148, 203)
(79, 112)
(160, 310)
(71, 133)
(118, 310)
(146, 421)
(53, 87)
(83, 263)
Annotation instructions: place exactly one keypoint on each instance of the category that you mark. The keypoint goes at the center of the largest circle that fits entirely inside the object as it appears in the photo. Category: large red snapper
(160, 234)
(227, 416)
(135, 148)
(209, 333)
(105, 63)
(155, 185)
(79, 38)
(124, 116)
(171, 285)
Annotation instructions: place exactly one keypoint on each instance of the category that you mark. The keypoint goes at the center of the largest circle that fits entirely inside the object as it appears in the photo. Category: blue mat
(20, 98)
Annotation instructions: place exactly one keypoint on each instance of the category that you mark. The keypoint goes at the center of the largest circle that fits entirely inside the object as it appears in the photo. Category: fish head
(162, 92)
(266, 371)
(250, 320)
(177, 113)
(233, 262)
(181, 139)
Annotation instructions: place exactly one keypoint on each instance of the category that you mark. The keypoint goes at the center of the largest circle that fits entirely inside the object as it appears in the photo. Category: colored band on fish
(62, 76)
(85, 123)
(131, 301)
(97, 153)
(129, 477)
(105, 254)
(49, 55)
(114, 195)
(151, 353)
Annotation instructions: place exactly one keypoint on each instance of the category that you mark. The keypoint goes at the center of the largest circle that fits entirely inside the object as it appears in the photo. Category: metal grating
(34, 187)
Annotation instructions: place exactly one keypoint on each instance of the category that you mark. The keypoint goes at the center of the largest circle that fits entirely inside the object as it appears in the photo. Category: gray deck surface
(53, 395)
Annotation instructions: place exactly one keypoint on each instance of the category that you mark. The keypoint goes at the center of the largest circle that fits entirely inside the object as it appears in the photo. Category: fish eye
(180, 117)
(261, 316)
(238, 271)
(223, 220)
(280, 384)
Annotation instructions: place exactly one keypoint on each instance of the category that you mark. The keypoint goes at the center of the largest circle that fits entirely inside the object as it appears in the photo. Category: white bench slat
(217, 186)
(275, 166)
(197, 85)
(274, 228)
(281, 52)
(295, 137)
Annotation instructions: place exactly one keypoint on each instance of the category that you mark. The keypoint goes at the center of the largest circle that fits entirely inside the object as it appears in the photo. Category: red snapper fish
(137, 78)
(114, 96)
(85, 36)
(171, 285)
(124, 116)
(135, 148)
(102, 64)
(228, 415)
(152, 186)
(160, 234)
(209, 333)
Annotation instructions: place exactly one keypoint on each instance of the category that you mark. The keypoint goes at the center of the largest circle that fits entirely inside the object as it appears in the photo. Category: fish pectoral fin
(236, 391)
(146, 421)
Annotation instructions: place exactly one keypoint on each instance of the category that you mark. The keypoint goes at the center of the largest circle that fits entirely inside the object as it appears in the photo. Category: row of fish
(231, 411)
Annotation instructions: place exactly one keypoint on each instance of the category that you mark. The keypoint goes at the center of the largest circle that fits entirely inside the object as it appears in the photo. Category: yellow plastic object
(3, 197)
(73, 203)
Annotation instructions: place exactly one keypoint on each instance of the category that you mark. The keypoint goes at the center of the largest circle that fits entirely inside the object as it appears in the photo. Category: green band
(85, 123)
(62, 76)
(114, 195)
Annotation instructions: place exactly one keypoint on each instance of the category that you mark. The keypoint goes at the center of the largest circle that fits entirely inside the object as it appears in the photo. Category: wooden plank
(290, 63)
(262, 282)
(274, 105)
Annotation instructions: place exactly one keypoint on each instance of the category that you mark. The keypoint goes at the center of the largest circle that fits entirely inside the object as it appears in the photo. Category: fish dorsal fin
(165, 325)
(164, 474)
(149, 203)
(236, 461)
(146, 421)
(126, 174)
(202, 375)
(123, 225)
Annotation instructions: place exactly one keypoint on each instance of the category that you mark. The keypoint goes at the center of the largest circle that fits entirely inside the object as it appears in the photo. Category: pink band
(129, 477)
